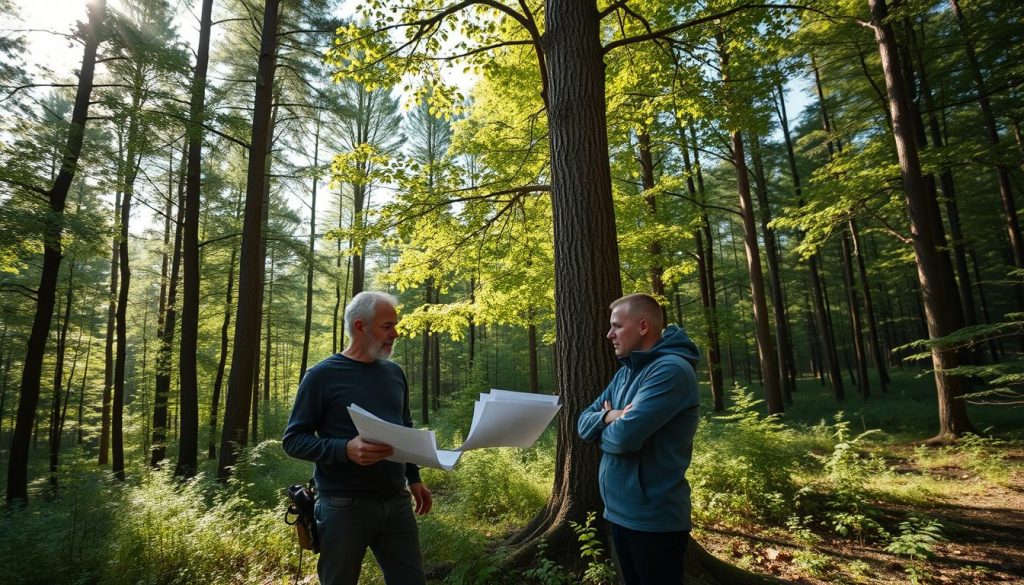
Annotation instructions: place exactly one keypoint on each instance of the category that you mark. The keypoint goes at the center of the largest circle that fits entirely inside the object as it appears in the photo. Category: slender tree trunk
(188, 377)
(531, 348)
(166, 337)
(706, 266)
(766, 351)
(869, 307)
(108, 369)
(822, 316)
(942, 318)
(826, 123)
(787, 365)
(80, 429)
(58, 376)
(992, 135)
(657, 270)
(425, 363)
(311, 259)
(225, 325)
(247, 321)
(856, 329)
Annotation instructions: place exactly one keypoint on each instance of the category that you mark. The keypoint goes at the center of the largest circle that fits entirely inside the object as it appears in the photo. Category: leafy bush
(496, 485)
(743, 465)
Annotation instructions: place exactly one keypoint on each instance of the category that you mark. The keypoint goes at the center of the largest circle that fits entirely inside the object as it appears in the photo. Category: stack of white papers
(501, 418)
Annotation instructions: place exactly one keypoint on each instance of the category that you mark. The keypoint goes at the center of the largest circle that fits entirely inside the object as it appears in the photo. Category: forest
(821, 193)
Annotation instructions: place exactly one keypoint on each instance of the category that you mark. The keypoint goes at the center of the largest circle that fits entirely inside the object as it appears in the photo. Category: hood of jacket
(674, 341)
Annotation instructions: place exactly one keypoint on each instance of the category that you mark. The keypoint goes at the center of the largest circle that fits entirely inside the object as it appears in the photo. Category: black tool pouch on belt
(301, 500)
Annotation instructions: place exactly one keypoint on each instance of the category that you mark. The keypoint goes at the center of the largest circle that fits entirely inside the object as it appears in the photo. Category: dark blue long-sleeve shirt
(320, 427)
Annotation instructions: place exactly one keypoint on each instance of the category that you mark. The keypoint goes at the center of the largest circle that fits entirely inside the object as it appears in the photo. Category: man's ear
(357, 325)
(645, 326)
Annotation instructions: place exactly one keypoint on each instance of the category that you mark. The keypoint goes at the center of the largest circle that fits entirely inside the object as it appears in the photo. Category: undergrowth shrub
(742, 466)
(153, 529)
(848, 510)
(503, 485)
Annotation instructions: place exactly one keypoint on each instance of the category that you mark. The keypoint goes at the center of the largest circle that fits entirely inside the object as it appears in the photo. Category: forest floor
(983, 525)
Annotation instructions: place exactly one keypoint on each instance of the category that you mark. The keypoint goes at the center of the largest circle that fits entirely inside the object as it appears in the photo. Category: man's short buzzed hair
(644, 305)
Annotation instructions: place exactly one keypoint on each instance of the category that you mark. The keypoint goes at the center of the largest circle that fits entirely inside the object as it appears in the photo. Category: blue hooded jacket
(645, 452)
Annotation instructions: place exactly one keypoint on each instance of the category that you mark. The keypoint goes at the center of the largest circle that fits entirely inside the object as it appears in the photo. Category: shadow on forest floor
(984, 528)
(982, 521)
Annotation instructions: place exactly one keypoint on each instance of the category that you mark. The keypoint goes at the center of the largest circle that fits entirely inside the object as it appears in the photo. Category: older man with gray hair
(363, 500)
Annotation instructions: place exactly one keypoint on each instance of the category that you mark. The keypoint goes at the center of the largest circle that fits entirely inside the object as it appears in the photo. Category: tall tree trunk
(869, 307)
(942, 317)
(766, 351)
(166, 337)
(425, 363)
(787, 364)
(992, 135)
(188, 376)
(823, 318)
(58, 376)
(586, 254)
(706, 265)
(311, 259)
(223, 359)
(247, 321)
(856, 329)
(31, 374)
(108, 365)
(657, 270)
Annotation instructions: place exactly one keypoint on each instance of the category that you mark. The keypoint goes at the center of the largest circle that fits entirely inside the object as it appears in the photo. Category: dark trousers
(387, 526)
(650, 558)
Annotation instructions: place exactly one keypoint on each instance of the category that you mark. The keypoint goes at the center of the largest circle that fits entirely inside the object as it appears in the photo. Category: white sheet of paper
(417, 446)
(509, 419)
(501, 418)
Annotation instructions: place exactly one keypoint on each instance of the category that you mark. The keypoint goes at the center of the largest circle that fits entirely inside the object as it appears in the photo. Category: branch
(661, 34)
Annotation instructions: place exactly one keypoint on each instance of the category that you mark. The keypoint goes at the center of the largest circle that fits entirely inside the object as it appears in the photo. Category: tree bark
(586, 256)
(706, 270)
(188, 377)
(657, 269)
(822, 316)
(941, 317)
(247, 321)
(31, 375)
(787, 365)
(58, 377)
(311, 259)
(223, 359)
(767, 355)
(856, 327)
(166, 336)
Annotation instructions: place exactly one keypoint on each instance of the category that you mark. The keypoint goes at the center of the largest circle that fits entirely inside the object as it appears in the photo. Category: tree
(56, 196)
(933, 273)
(235, 431)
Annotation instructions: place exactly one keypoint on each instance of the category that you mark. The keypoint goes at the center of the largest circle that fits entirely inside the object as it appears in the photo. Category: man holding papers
(363, 500)
(644, 422)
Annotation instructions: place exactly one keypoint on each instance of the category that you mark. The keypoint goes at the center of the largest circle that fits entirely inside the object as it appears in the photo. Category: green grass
(806, 477)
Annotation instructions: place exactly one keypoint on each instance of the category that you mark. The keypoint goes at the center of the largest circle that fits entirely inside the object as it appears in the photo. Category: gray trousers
(347, 526)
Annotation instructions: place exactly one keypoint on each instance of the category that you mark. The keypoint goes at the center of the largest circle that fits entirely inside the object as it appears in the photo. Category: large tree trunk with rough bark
(942, 317)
